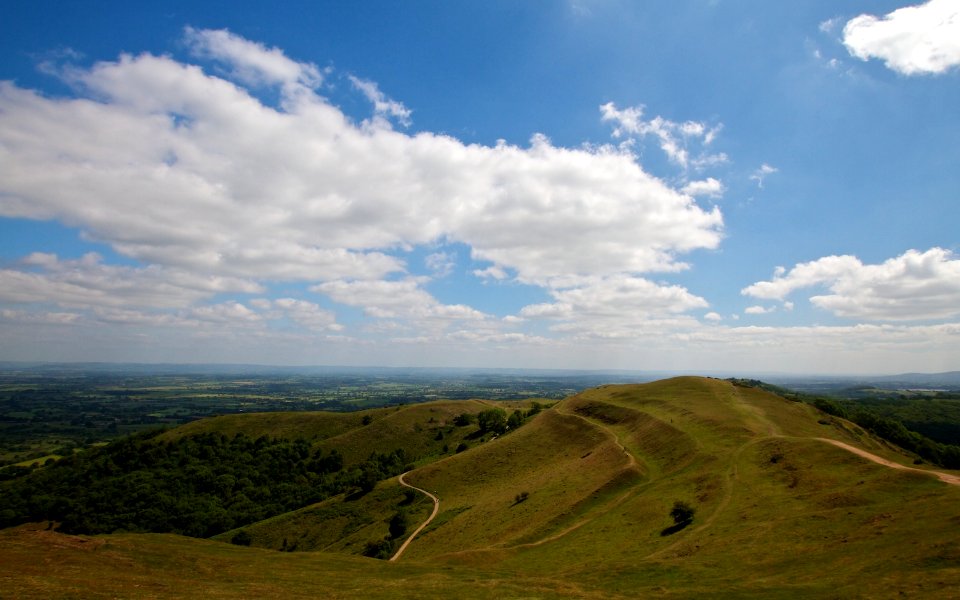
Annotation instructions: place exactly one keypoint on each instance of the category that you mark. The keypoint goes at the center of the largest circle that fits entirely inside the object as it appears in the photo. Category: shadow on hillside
(675, 528)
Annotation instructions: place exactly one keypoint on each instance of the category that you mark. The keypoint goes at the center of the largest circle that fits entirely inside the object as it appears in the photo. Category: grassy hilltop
(575, 503)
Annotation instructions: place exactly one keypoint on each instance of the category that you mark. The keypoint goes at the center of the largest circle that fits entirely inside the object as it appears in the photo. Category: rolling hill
(575, 503)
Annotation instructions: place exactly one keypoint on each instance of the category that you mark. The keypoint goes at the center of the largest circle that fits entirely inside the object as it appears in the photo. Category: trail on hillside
(944, 477)
(632, 464)
(436, 509)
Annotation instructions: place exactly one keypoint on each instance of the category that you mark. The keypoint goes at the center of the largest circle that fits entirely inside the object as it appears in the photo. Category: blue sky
(700, 185)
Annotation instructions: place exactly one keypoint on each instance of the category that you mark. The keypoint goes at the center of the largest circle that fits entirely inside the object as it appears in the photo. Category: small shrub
(522, 496)
(381, 549)
(462, 446)
(682, 513)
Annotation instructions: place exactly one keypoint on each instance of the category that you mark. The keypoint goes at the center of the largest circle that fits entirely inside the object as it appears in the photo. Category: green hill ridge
(574, 503)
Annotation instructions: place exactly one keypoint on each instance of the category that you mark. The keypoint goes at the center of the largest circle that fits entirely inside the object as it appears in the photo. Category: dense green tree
(493, 420)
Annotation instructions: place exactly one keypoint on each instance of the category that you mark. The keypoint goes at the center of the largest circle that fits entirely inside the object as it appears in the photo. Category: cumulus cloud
(759, 310)
(215, 192)
(913, 286)
(613, 306)
(921, 39)
(203, 176)
(306, 314)
(395, 299)
(87, 282)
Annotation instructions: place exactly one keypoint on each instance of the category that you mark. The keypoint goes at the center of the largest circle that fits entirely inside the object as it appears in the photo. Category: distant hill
(575, 503)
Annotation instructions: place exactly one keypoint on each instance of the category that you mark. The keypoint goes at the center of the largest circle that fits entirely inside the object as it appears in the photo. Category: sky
(684, 185)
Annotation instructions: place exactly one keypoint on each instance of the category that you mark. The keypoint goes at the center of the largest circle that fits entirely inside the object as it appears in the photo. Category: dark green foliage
(864, 412)
(830, 407)
(462, 446)
(462, 420)
(199, 485)
(381, 549)
(945, 455)
(367, 419)
(242, 538)
(682, 513)
(515, 420)
(936, 416)
(369, 476)
(398, 524)
(493, 420)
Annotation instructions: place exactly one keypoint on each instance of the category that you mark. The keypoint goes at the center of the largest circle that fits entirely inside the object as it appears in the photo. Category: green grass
(778, 514)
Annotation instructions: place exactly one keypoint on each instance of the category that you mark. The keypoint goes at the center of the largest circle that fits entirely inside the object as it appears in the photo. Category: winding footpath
(436, 509)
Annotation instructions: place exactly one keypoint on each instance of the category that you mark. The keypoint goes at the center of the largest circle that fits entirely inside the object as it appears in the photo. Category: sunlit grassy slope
(779, 513)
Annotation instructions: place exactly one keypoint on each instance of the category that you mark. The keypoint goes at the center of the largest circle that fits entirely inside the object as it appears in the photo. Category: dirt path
(944, 477)
(436, 509)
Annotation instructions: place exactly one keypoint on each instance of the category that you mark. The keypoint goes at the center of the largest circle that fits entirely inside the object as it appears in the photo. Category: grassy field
(779, 513)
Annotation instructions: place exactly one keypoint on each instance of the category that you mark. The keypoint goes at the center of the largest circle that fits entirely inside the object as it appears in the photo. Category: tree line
(199, 485)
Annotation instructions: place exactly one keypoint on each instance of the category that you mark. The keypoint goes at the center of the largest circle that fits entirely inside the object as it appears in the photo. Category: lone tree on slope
(682, 513)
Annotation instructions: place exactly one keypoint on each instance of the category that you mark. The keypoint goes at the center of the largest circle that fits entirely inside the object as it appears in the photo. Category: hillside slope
(577, 503)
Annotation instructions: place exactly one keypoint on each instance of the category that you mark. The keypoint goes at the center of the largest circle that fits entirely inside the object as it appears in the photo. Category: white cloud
(383, 107)
(493, 272)
(921, 39)
(395, 299)
(202, 176)
(87, 282)
(710, 187)
(251, 62)
(308, 314)
(759, 310)
(912, 286)
(615, 306)
(761, 173)
(829, 25)
(216, 192)
(39, 318)
(713, 316)
(673, 137)
(441, 264)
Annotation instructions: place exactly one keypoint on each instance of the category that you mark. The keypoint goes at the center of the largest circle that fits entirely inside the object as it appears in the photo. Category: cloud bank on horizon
(235, 212)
